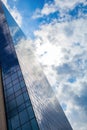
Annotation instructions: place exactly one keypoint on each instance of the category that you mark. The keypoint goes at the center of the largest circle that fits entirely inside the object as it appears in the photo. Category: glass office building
(27, 101)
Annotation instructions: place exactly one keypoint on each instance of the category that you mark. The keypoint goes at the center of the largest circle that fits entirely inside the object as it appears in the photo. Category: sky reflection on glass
(57, 31)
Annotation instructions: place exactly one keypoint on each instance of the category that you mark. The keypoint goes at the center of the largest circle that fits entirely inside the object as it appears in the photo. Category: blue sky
(57, 31)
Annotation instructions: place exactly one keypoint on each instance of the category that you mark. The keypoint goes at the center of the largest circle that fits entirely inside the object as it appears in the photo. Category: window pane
(34, 124)
(9, 125)
(16, 87)
(12, 105)
(8, 79)
(30, 112)
(14, 76)
(18, 92)
(22, 84)
(26, 127)
(27, 103)
(19, 100)
(26, 96)
(18, 128)
(15, 122)
(12, 113)
(23, 116)
(21, 107)
(10, 91)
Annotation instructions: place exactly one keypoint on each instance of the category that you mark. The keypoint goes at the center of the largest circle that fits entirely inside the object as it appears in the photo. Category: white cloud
(42, 97)
(46, 10)
(61, 48)
(68, 4)
(62, 6)
(14, 12)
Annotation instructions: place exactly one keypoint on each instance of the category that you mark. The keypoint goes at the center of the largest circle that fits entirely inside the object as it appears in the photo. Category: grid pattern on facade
(18, 105)
(19, 111)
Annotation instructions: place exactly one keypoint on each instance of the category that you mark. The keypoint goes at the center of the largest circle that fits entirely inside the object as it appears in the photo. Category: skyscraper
(27, 102)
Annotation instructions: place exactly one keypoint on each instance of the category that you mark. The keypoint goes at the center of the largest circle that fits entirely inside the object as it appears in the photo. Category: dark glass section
(26, 127)
(17, 99)
(34, 124)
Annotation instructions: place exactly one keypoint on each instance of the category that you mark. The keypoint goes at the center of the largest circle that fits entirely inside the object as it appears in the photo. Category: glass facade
(30, 102)
(19, 111)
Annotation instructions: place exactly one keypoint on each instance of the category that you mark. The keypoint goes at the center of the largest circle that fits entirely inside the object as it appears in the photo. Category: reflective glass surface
(26, 104)
(17, 102)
